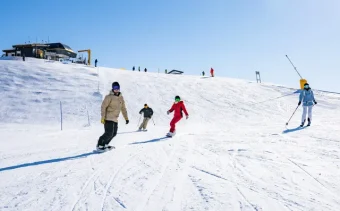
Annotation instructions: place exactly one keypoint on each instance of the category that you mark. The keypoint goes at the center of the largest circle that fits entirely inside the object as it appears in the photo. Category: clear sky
(235, 37)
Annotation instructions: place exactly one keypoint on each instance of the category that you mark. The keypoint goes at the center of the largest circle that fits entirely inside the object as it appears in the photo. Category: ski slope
(233, 153)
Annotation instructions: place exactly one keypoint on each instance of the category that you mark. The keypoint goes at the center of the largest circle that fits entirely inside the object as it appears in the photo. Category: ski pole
(273, 98)
(139, 120)
(153, 122)
(292, 115)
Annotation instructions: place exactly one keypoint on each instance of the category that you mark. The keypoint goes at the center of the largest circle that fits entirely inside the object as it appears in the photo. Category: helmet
(306, 86)
(177, 98)
(115, 85)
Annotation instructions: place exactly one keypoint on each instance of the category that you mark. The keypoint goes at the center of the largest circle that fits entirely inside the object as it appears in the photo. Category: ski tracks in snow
(112, 178)
(89, 189)
(168, 179)
(166, 192)
(233, 165)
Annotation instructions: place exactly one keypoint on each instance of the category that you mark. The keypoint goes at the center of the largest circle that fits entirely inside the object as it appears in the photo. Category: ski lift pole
(294, 66)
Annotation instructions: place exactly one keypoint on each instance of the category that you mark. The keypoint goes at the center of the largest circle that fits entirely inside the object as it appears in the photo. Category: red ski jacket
(178, 108)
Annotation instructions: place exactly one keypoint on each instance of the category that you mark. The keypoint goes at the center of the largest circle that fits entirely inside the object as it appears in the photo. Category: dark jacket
(148, 112)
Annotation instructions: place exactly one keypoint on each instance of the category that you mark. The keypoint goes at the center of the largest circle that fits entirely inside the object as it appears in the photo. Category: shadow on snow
(36, 163)
(151, 141)
(294, 129)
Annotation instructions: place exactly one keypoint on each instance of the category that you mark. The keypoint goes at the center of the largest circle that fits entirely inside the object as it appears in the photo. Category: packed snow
(234, 152)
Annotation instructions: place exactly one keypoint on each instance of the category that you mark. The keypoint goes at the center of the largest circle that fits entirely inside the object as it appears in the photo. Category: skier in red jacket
(177, 107)
(212, 72)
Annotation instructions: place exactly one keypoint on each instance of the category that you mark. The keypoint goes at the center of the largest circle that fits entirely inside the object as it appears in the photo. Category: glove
(102, 121)
(127, 121)
(168, 112)
(187, 116)
(299, 103)
(315, 102)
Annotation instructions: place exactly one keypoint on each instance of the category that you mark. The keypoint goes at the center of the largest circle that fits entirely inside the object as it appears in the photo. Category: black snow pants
(111, 128)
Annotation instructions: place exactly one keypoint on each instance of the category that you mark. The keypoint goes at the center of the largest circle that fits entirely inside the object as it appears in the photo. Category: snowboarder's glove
(168, 112)
(187, 116)
(102, 121)
(127, 121)
(299, 103)
(315, 102)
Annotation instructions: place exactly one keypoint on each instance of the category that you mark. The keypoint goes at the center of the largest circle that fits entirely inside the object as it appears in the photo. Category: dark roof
(8, 50)
(175, 72)
(30, 45)
(59, 48)
(59, 45)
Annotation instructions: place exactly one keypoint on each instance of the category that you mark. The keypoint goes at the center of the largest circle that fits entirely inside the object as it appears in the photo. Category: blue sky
(235, 37)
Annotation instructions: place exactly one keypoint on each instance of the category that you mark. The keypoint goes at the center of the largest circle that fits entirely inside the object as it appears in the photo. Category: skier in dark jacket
(148, 112)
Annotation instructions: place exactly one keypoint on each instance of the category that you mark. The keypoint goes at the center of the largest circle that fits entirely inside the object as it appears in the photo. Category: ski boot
(100, 148)
(309, 122)
(109, 147)
(303, 123)
(171, 134)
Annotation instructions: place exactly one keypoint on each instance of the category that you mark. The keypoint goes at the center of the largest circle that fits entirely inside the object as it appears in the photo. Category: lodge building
(41, 50)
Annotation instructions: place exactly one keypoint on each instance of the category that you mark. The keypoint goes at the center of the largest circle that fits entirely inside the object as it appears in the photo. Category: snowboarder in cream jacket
(112, 105)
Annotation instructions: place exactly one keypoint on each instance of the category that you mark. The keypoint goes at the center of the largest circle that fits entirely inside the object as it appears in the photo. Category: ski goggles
(115, 88)
(306, 86)
(177, 99)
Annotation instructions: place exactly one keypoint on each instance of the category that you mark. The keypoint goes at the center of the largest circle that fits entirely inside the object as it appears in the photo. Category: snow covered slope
(233, 153)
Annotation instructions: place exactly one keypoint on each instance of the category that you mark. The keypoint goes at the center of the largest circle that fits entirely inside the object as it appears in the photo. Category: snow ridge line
(297, 165)
(307, 172)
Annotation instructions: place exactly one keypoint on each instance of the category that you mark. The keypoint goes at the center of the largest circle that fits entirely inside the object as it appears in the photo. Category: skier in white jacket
(307, 97)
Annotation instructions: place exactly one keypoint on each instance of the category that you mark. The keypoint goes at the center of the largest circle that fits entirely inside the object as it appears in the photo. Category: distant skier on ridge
(307, 97)
(177, 107)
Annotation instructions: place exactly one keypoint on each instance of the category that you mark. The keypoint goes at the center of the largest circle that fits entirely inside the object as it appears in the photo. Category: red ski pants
(173, 123)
